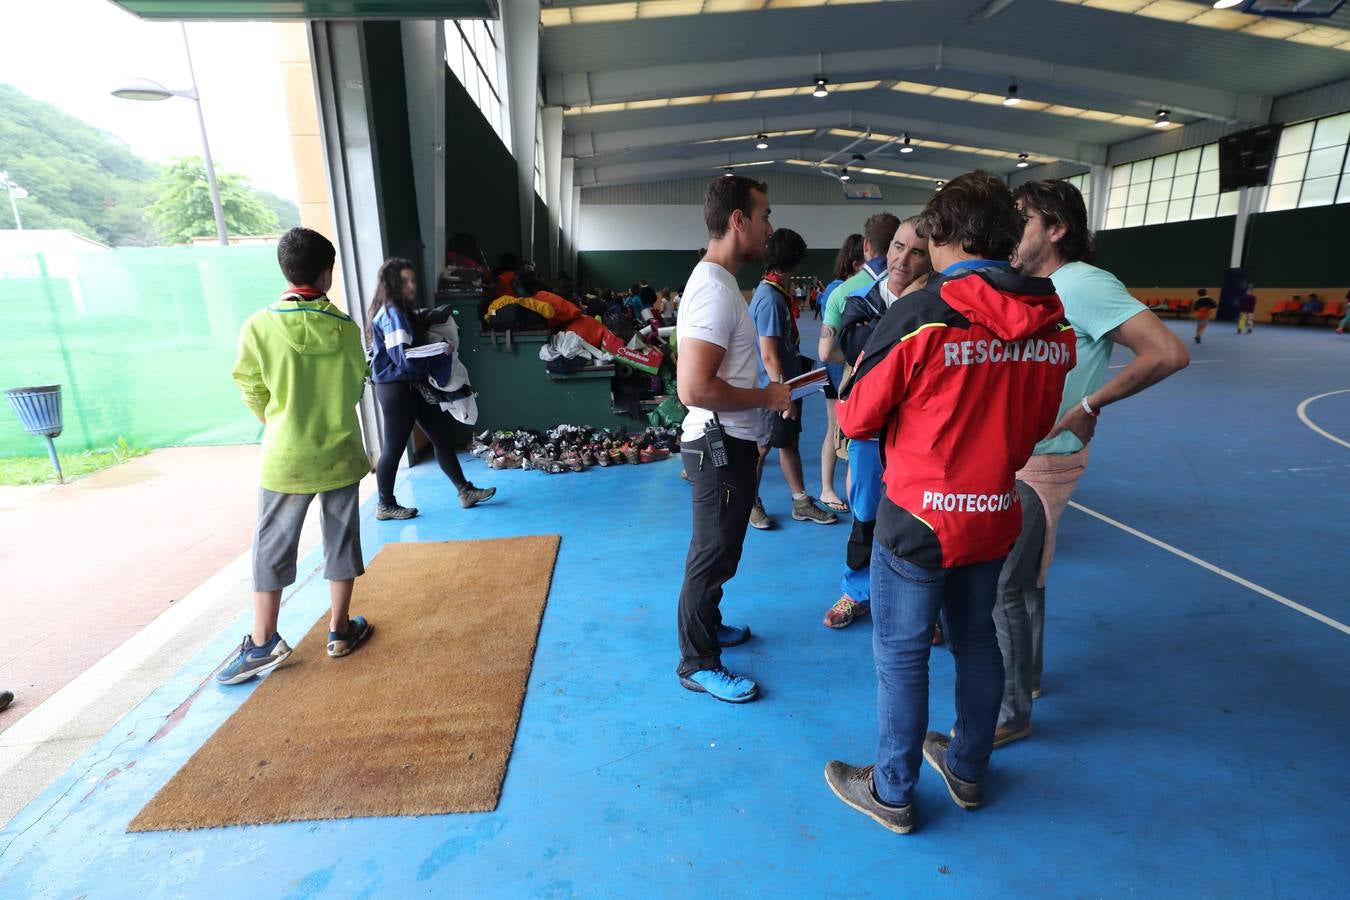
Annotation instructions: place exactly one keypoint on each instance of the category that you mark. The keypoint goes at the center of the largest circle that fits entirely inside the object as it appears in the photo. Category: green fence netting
(140, 340)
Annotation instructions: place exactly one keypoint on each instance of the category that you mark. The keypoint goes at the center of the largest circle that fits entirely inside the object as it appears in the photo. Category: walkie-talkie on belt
(717, 446)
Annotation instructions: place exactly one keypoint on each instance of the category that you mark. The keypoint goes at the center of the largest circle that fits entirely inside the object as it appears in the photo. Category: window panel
(1282, 196)
(1156, 214)
(1289, 168)
(1183, 187)
(1296, 139)
(1228, 204)
(1141, 171)
(1160, 190)
(1115, 218)
(1188, 161)
(1318, 191)
(1204, 207)
(1343, 196)
(1164, 166)
(1322, 163)
(1179, 210)
(1134, 215)
(1209, 158)
(1333, 131)
(1208, 182)
(1138, 194)
(1117, 197)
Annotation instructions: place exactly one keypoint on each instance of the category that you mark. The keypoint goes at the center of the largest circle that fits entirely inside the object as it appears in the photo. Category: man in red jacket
(961, 380)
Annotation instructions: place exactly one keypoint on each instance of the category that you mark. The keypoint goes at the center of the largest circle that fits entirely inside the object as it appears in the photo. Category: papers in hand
(808, 383)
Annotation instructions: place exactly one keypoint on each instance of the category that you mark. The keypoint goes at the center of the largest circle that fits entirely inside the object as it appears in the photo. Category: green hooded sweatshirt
(302, 370)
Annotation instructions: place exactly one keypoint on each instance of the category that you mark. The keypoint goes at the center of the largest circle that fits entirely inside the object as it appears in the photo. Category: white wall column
(424, 73)
(552, 127)
(520, 28)
(1099, 177)
(1251, 200)
(567, 237)
(576, 227)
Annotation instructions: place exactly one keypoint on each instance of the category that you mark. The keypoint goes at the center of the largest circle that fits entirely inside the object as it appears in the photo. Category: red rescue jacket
(962, 379)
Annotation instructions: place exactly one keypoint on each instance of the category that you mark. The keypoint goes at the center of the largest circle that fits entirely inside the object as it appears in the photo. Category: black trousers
(722, 499)
(402, 407)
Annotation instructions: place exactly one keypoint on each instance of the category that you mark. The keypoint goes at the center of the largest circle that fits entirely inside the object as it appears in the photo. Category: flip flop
(837, 505)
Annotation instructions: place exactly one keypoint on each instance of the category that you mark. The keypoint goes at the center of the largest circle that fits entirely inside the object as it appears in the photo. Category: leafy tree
(288, 213)
(183, 209)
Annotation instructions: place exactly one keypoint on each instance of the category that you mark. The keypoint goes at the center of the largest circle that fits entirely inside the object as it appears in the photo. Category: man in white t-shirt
(1057, 244)
(718, 380)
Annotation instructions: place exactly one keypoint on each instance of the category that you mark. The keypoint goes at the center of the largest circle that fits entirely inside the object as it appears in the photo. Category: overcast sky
(72, 53)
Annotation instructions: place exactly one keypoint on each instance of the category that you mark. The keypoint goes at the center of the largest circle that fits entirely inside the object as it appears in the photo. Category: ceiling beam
(711, 164)
(692, 123)
(1127, 91)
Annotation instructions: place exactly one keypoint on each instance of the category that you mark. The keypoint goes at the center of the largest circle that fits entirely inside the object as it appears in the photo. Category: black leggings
(402, 406)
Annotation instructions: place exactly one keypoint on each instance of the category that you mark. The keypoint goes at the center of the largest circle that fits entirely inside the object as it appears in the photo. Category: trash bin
(39, 411)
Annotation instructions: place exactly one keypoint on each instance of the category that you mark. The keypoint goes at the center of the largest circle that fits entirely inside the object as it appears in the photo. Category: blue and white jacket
(394, 356)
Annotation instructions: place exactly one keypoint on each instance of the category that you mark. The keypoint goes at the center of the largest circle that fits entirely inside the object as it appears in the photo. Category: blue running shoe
(732, 635)
(721, 684)
(253, 661)
(340, 643)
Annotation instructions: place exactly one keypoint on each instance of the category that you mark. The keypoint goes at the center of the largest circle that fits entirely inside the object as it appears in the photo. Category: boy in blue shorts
(301, 370)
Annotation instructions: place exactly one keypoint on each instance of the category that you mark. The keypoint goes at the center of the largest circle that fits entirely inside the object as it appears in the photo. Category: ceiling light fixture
(843, 174)
(728, 173)
(1012, 99)
(905, 147)
(820, 90)
(940, 184)
(762, 143)
(1225, 4)
(858, 157)
(1022, 161)
(1162, 120)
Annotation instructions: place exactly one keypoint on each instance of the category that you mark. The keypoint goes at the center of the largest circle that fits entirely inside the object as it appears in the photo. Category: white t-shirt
(713, 310)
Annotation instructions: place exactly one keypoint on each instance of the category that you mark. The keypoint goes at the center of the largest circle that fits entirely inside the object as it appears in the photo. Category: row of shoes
(573, 448)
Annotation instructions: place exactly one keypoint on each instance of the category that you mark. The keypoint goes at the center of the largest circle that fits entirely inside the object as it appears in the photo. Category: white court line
(1194, 362)
(1236, 579)
(1303, 416)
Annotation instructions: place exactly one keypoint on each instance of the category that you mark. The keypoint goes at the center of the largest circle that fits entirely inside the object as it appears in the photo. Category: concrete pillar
(576, 227)
(1100, 179)
(567, 236)
(424, 73)
(552, 123)
(520, 31)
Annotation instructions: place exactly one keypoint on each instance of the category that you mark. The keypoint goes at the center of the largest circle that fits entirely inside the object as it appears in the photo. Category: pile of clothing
(573, 448)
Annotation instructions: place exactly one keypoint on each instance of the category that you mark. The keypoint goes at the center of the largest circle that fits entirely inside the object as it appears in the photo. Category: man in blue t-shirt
(1057, 244)
(779, 345)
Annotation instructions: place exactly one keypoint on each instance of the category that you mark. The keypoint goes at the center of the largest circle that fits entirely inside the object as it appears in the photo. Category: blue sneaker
(253, 661)
(732, 635)
(342, 643)
(721, 684)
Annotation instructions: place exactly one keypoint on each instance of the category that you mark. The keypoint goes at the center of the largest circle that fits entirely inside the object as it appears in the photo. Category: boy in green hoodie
(301, 370)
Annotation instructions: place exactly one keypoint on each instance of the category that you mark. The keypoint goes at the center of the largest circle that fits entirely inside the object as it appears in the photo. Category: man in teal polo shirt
(1057, 244)
(877, 233)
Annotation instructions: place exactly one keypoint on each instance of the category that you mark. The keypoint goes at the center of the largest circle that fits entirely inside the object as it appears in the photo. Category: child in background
(301, 369)
(1203, 307)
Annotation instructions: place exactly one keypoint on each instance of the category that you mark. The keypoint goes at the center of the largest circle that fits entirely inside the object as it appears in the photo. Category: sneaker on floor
(732, 635)
(805, 510)
(6, 698)
(393, 511)
(853, 785)
(341, 643)
(965, 794)
(472, 496)
(1008, 735)
(1197, 338)
(1035, 693)
(252, 661)
(721, 685)
(938, 638)
(844, 611)
(759, 518)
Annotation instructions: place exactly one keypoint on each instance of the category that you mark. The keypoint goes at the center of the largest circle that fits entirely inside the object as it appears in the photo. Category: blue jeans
(906, 600)
(864, 496)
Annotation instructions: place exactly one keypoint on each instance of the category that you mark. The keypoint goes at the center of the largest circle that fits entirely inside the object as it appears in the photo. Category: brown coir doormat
(419, 720)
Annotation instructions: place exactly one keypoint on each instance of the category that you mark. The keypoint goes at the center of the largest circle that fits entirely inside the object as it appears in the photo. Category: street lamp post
(16, 194)
(145, 89)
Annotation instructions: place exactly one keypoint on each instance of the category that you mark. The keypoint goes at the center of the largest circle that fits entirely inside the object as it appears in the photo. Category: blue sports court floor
(1192, 739)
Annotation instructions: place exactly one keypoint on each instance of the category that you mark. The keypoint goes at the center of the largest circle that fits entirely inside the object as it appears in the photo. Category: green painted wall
(615, 269)
(1175, 254)
(1300, 247)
